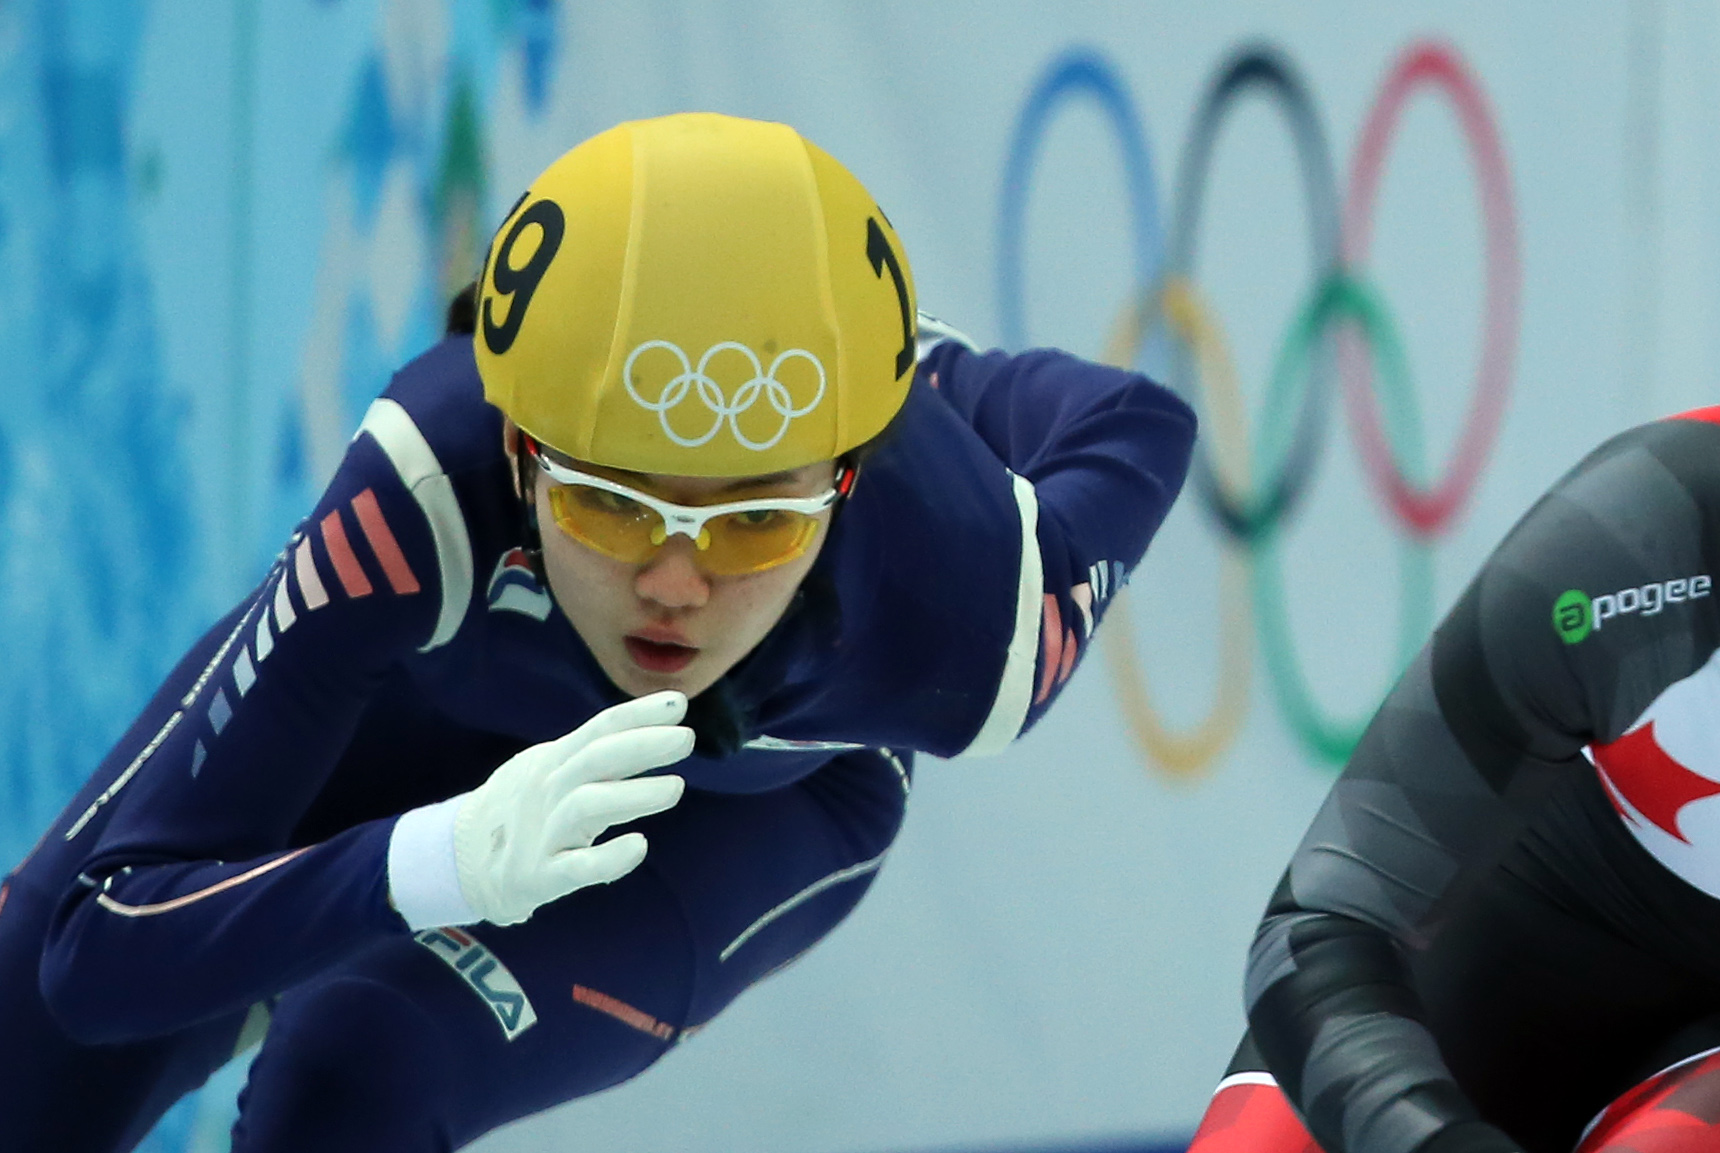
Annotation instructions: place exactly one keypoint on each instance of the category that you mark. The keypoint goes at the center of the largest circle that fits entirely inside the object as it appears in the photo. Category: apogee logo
(1576, 614)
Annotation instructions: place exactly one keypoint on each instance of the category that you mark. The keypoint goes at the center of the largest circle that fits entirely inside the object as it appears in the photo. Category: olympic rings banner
(1344, 338)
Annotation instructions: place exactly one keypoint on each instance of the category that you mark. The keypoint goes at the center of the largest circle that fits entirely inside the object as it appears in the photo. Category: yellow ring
(1185, 753)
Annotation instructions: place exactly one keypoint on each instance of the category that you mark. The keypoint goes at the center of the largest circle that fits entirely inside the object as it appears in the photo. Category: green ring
(1340, 296)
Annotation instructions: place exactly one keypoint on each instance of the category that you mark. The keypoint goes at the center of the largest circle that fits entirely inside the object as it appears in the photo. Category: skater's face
(666, 621)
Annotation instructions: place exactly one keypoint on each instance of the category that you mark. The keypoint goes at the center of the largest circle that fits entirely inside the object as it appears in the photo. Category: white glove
(524, 837)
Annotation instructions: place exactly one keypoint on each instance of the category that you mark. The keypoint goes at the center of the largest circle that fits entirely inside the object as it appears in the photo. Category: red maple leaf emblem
(1644, 774)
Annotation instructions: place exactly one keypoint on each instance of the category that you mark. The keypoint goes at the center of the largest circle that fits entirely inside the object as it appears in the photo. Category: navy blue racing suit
(226, 864)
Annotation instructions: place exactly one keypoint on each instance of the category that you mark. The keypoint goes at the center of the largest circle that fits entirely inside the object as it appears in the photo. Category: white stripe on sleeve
(1015, 687)
(399, 438)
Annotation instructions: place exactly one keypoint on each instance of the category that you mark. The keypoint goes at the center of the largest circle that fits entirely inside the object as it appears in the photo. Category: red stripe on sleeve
(1051, 624)
(346, 565)
(400, 575)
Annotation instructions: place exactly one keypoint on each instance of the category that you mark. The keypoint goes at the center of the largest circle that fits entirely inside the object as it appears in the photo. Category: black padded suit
(1505, 914)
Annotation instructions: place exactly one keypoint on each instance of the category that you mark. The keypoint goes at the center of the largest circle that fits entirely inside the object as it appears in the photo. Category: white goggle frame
(686, 519)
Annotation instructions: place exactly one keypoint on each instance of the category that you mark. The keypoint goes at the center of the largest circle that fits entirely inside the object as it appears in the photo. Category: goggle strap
(532, 546)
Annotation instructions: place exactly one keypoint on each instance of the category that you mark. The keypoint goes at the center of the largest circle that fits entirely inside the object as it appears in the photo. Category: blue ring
(1080, 71)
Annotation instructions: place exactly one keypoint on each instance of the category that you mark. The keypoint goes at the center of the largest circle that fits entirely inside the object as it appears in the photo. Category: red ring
(1425, 511)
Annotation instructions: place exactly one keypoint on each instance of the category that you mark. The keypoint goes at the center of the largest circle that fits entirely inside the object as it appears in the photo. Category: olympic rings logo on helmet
(1340, 299)
(691, 378)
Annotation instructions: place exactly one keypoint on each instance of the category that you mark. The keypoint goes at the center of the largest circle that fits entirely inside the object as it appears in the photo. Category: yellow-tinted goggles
(730, 539)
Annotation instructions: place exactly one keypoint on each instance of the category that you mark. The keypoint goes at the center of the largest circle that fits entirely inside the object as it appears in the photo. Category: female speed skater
(1502, 931)
(686, 487)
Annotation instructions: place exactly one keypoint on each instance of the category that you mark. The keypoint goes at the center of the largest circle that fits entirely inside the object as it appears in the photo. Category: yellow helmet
(697, 295)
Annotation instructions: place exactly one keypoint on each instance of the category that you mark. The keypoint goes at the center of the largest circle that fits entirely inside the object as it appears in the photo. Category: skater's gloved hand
(525, 837)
